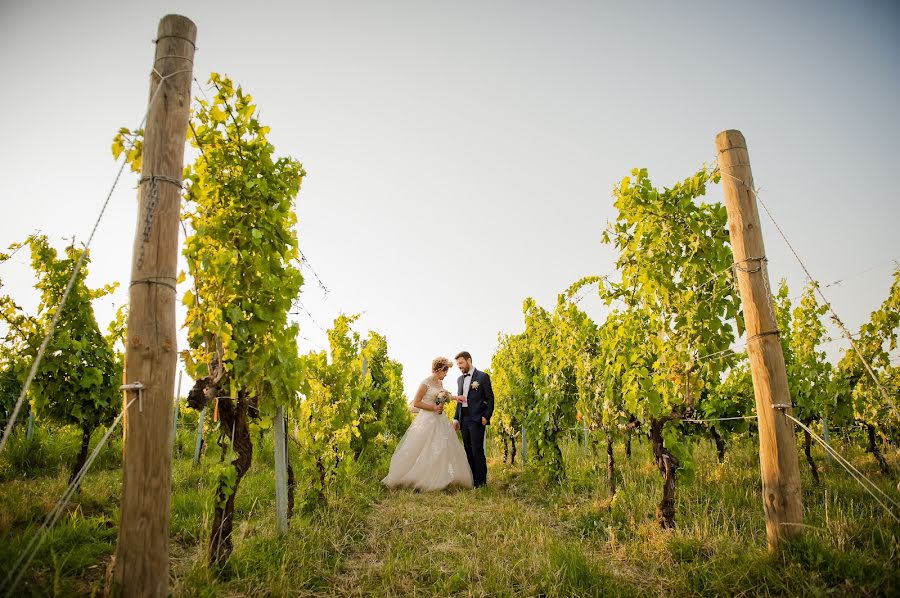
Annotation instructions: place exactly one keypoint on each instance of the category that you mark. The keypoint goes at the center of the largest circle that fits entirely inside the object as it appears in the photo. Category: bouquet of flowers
(443, 398)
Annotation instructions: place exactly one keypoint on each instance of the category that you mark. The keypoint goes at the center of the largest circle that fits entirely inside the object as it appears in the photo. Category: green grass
(520, 536)
(52, 449)
(482, 543)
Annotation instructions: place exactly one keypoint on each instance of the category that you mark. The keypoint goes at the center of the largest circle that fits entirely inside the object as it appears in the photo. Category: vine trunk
(233, 415)
(80, 460)
(720, 444)
(667, 465)
(610, 466)
(876, 452)
(807, 447)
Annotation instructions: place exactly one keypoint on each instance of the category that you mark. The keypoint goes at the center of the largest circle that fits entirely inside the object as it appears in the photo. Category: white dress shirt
(467, 382)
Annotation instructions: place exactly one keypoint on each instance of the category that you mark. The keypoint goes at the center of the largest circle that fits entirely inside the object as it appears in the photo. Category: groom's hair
(464, 355)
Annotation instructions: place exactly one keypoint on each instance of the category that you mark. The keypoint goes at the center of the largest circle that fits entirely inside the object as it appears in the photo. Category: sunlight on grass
(520, 536)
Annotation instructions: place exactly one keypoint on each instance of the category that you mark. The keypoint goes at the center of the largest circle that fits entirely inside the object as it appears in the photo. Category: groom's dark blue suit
(481, 404)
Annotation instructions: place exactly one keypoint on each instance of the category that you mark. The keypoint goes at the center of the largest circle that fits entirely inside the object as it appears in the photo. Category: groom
(473, 413)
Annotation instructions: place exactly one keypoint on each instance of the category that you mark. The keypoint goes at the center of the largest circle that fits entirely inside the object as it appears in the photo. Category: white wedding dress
(429, 456)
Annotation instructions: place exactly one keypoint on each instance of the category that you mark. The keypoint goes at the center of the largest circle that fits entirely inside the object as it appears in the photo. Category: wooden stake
(364, 361)
(29, 431)
(280, 472)
(826, 437)
(198, 446)
(777, 441)
(142, 554)
(524, 450)
(177, 409)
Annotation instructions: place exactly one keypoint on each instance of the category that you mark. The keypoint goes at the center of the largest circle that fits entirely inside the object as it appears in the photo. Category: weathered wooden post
(177, 409)
(363, 344)
(777, 441)
(826, 437)
(524, 450)
(142, 553)
(29, 431)
(280, 471)
(198, 445)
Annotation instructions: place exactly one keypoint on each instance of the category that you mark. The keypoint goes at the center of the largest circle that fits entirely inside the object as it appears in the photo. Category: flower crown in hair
(439, 364)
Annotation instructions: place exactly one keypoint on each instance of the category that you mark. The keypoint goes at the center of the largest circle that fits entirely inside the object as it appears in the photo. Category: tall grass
(520, 536)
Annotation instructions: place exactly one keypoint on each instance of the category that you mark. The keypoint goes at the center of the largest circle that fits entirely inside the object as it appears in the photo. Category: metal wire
(40, 354)
(818, 288)
(55, 513)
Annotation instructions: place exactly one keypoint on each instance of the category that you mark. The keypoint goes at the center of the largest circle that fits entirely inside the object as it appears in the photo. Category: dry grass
(476, 543)
(519, 536)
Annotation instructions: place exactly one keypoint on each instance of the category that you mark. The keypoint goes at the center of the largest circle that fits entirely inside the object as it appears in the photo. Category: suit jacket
(481, 399)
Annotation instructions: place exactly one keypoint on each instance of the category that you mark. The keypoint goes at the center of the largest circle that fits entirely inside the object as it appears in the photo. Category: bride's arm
(417, 401)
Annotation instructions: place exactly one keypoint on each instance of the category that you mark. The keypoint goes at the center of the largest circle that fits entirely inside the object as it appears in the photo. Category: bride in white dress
(430, 456)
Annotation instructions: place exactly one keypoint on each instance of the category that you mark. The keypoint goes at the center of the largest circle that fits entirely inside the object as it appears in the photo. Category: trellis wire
(53, 516)
(718, 419)
(314, 321)
(40, 354)
(837, 320)
(303, 259)
(837, 282)
(12, 255)
(895, 261)
(854, 473)
(863, 481)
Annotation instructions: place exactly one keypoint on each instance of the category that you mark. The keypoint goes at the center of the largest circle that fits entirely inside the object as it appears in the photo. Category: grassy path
(520, 536)
(484, 542)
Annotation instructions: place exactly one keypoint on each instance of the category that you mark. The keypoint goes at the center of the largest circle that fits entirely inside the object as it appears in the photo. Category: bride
(430, 456)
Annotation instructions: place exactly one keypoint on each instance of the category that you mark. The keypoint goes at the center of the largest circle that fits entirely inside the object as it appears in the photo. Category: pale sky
(461, 155)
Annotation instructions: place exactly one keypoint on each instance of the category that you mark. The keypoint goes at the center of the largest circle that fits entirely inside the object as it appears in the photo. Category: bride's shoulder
(428, 381)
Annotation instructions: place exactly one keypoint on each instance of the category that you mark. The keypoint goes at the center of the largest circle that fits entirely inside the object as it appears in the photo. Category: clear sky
(461, 155)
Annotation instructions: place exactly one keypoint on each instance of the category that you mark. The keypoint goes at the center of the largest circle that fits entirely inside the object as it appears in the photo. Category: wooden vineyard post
(29, 431)
(198, 446)
(777, 441)
(364, 361)
(280, 472)
(524, 450)
(141, 566)
(826, 437)
(177, 409)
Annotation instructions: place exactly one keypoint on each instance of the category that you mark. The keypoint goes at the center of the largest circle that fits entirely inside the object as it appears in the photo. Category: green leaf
(217, 114)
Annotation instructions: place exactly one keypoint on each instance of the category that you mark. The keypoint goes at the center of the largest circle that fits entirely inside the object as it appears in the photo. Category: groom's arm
(488, 398)
(457, 415)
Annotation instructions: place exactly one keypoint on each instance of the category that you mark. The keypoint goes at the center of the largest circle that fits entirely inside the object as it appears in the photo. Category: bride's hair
(440, 364)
